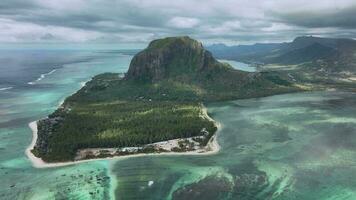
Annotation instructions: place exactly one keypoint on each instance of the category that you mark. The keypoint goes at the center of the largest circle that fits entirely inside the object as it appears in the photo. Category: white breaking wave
(5, 88)
(41, 77)
(83, 83)
(150, 183)
(60, 103)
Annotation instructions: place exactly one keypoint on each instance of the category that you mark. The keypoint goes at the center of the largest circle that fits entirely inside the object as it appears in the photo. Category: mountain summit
(182, 64)
(171, 57)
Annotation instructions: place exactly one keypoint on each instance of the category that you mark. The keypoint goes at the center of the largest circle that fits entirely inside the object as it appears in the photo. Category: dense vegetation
(159, 99)
(123, 124)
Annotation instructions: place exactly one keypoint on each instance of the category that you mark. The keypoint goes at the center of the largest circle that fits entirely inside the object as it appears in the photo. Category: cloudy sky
(139, 21)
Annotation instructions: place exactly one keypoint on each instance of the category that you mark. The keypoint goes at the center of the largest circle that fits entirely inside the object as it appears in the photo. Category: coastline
(211, 148)
(82, 84)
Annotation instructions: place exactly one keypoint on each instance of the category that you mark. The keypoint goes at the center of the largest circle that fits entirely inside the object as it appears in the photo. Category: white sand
(211, 148)
(36, 162)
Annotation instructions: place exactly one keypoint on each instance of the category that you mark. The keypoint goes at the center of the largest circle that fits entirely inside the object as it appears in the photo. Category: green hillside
(160, 98)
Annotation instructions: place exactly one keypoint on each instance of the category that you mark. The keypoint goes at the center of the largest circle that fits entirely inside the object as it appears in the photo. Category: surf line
(5, 88)
(41, 77)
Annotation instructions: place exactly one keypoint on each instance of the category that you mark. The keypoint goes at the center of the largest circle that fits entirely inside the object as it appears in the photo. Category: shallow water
(39, 81)
(240, 65)
(294, 146)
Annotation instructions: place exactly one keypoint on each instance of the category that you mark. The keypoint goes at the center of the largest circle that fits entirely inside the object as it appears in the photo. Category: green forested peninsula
(159, 98)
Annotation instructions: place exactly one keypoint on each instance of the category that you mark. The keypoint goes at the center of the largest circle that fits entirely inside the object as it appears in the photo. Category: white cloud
(275, 27)
(183, 22)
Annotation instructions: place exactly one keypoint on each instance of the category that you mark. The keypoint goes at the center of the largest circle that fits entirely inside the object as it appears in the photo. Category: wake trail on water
(41, 77)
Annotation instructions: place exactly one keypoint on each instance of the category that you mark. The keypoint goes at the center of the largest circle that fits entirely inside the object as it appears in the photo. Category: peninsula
(156, 107)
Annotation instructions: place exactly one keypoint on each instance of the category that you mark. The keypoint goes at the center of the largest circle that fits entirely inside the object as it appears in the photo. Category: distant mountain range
(336, 54)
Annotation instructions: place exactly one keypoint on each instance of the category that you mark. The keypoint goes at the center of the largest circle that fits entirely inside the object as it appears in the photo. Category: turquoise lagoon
(240, 65)
(293, 146)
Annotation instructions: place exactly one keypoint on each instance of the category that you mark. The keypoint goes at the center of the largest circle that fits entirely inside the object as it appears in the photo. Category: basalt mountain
(183, 62)
(170, 58)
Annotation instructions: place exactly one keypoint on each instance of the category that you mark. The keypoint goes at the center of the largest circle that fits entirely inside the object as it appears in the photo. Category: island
(157, 107)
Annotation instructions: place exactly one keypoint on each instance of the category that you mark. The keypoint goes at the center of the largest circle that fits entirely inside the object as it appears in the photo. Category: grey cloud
(343, 18)
(122, 16)
(234, 21)
(48, 37)
(16, 4)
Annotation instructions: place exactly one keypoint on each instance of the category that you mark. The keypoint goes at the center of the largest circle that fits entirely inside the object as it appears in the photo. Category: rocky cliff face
(170, 57)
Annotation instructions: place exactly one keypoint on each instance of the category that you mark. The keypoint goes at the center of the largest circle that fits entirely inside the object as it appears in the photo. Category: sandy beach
(211, 148)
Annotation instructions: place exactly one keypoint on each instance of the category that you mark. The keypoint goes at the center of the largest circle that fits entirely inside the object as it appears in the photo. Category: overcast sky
(139, 21)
